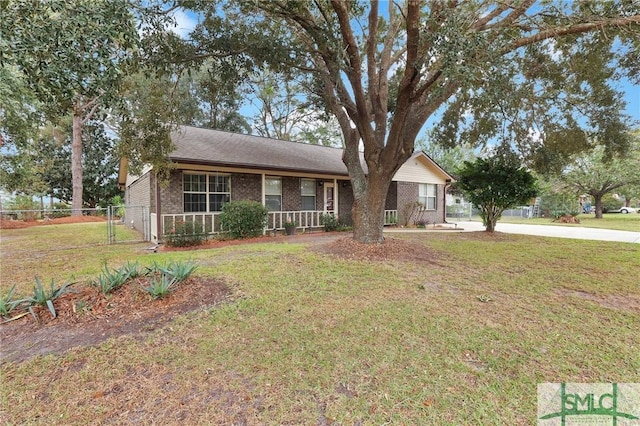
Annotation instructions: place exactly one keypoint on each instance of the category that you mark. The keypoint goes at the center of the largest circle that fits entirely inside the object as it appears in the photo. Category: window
(308, 194)
(205, 192)
(273, 193)
(219, 192)
(427, 195)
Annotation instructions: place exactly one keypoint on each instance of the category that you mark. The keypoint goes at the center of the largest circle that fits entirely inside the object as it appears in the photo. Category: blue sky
(186, 21)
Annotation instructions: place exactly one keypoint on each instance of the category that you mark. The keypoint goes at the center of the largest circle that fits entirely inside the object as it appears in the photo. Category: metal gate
(128, 224)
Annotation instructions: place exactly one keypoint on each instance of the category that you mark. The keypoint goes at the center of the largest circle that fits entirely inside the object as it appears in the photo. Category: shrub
(184, 234)
(243, 219)
(610, 203)
(330, 222)
(25, 205)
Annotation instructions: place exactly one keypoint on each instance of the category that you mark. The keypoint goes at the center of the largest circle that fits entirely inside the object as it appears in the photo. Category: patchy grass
(69, 251)
(313, 339)
(620, 222)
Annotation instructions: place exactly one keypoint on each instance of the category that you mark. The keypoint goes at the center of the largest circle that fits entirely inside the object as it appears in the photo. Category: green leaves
(69, 49)
(496, 184)
(45, 297)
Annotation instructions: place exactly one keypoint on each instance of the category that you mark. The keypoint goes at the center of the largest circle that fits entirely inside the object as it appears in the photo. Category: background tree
(73, 55)
(495, 184)
(509, 71)
(450, 158)
(595, 174)
(219, 94)
(99, 161)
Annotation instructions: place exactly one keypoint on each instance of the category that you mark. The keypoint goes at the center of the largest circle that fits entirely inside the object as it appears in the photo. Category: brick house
(293, 180)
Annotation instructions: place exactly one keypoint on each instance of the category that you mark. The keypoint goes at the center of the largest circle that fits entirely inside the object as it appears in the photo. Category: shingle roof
(215, 147)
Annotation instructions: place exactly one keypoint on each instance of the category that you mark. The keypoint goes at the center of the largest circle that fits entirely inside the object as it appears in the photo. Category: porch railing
(209, 223)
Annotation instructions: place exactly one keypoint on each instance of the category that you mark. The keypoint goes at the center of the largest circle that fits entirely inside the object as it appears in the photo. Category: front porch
(209, 223)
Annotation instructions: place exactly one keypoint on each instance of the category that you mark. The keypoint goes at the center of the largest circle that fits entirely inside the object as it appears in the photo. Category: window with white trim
(427, 195)
(205, 192)
(273, 193)
(308, 194)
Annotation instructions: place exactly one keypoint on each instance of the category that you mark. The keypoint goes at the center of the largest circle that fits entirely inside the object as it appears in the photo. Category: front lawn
(617, 221)
(310, 338)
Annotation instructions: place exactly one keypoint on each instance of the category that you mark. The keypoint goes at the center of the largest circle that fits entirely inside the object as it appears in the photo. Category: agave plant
(44, 297)
(161, 285)
(111, 280)
(7, 304)
(181, 270)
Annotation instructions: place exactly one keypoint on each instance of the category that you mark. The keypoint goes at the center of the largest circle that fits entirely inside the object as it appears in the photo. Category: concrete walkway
(579, 233)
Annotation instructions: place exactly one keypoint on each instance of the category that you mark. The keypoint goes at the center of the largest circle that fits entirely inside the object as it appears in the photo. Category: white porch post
(264, 198)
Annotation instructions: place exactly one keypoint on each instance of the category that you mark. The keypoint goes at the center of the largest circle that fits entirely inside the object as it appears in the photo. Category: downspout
(158, 211)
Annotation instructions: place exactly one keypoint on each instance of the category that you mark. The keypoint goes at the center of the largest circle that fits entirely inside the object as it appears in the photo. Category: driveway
(579, 233)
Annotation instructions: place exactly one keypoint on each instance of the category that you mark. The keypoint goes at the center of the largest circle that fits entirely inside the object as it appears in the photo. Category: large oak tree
(497, 70)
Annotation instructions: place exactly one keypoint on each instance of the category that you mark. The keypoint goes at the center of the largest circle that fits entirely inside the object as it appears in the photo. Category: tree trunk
(490, 216)
(76, 164)
(598, 199)
(368, 210)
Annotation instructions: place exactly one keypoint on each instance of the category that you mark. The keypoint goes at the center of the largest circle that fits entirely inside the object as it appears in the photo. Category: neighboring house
(295, 181)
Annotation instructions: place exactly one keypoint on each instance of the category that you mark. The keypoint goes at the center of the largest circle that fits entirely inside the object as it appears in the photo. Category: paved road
(579, 233)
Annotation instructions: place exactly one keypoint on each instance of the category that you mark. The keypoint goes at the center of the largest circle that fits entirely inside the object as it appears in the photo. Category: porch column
(264, 198)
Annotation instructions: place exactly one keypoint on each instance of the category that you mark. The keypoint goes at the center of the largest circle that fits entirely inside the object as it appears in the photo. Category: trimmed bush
(330, 222)
(243, 219)
(184, 234)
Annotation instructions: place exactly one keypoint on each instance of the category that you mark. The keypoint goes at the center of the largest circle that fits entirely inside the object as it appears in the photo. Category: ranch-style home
(295, 181)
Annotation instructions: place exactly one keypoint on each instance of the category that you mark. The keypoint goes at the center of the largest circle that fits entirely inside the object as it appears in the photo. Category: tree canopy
(73, 55)
(593, 173)
(495, 184)
(526, 73)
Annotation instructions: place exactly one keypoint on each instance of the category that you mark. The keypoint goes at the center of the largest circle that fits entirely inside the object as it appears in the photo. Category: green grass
(312, 339)
(620, 222)
(77, 252)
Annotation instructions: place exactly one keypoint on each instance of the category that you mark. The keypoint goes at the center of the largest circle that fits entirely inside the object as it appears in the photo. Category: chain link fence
(120, 224)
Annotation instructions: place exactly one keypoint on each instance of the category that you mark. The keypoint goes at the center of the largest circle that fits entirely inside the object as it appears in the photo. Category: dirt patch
(628, 302)
(391, 249)
(87, 317)
(567, 219)
(20, 224)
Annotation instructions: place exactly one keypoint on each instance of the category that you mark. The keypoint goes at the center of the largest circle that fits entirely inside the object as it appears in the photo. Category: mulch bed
(87, 317)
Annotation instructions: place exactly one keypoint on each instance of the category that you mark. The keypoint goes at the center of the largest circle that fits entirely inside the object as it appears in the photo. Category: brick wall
(171, 200)
(345, 202)
(408, 193)
(246, 186)
(291, 195)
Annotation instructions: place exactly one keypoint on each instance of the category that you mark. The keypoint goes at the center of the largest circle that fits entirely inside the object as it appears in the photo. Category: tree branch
(573, 29)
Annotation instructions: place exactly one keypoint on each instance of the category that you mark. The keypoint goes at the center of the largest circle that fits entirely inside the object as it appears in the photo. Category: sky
(186, 21)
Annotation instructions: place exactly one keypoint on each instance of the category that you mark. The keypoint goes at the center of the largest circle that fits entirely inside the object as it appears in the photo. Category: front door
(329, 198)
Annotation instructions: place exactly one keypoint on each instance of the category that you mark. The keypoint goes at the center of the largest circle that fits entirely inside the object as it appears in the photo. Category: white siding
(417, 170)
